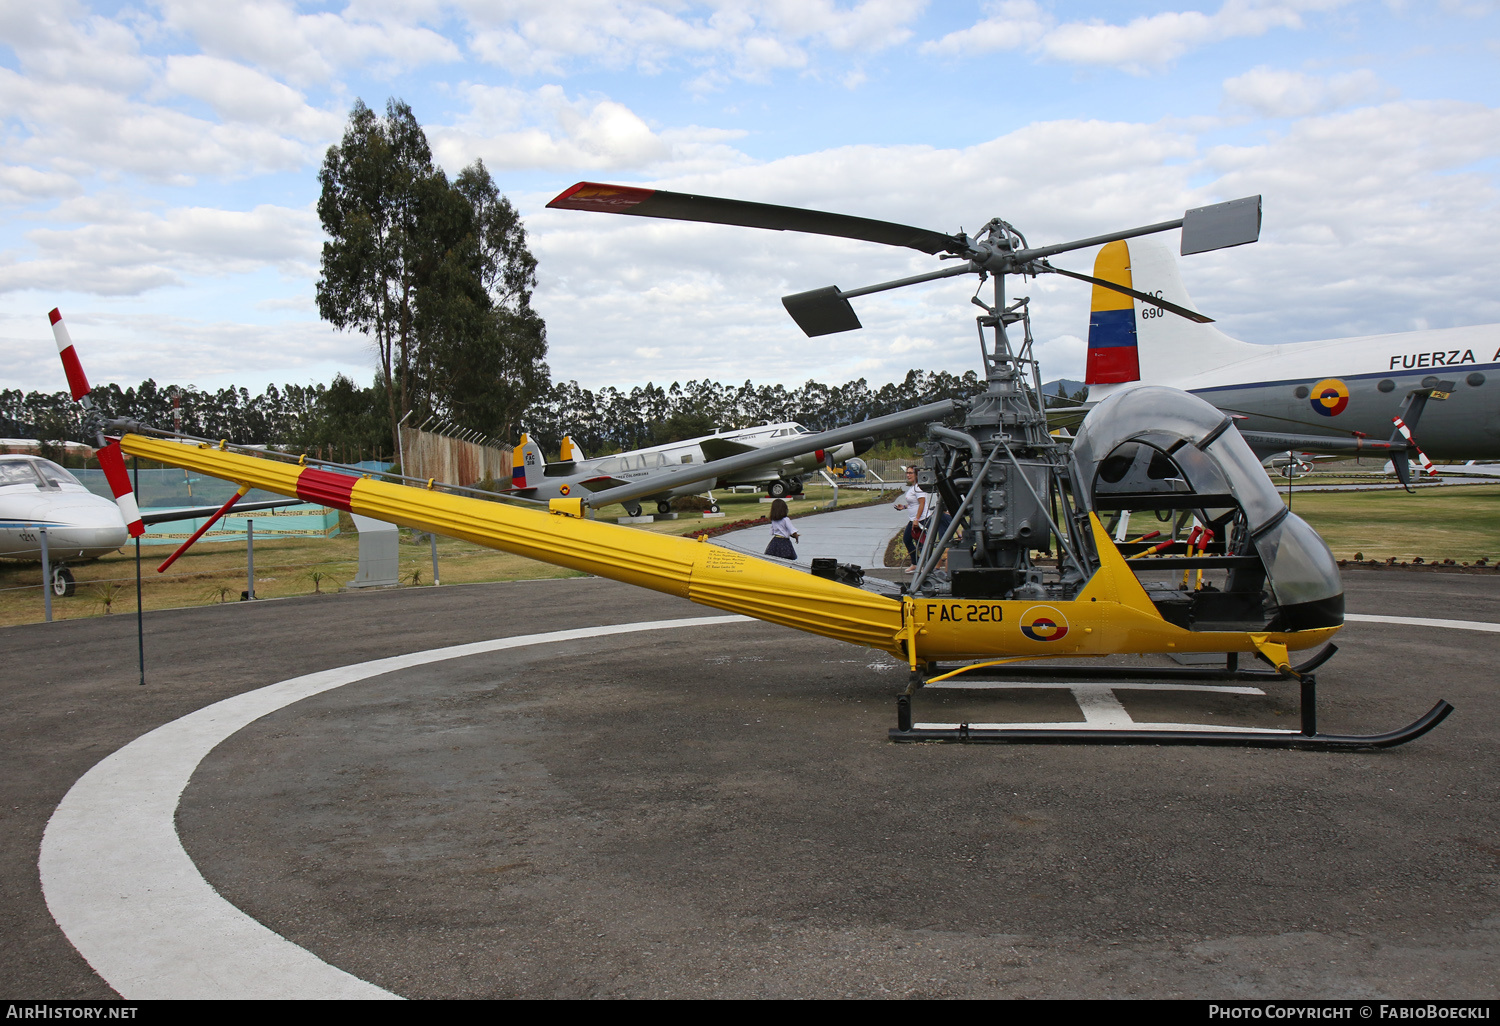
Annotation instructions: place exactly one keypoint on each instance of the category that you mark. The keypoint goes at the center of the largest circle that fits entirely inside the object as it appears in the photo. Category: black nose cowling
(863, 445)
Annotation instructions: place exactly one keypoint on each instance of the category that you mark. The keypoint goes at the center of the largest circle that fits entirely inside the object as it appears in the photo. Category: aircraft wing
(1066, 416)
(598, 484)
(1266, 443)
(723, 448)
(1472, 469)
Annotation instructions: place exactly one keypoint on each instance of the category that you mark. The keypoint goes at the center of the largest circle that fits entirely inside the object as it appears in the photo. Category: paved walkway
(848, 535)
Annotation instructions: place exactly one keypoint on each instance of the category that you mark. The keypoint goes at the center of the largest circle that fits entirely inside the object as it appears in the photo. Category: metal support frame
(46, 577)
(1305, 737)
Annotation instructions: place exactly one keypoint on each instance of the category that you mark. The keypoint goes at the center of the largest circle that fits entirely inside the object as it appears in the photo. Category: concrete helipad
(714, 809)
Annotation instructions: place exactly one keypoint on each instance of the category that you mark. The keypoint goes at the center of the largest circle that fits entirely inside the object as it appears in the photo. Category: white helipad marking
(1101, 709)
(1423, 621)
(128, 897)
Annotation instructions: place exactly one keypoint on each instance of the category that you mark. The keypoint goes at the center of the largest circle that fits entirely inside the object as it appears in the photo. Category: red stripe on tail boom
(326, 488)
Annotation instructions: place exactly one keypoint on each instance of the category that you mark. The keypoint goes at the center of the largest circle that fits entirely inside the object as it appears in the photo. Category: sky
(158, 169)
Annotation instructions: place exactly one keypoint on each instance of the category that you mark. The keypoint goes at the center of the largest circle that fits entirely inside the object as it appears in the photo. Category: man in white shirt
(914, 500)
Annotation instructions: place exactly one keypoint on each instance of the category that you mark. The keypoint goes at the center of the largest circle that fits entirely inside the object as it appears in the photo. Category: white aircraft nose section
(86, 528)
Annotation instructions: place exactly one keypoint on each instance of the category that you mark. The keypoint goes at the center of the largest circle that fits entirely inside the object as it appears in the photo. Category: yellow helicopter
(1250, 578)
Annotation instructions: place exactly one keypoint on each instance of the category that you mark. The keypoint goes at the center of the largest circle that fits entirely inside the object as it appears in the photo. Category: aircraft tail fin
(571, 451)
(1131, 341)
(526, 464)
(1114, 355)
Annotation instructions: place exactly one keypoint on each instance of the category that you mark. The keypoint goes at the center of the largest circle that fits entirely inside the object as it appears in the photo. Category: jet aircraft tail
(526, 464)
(572, 452)
(1131, 341)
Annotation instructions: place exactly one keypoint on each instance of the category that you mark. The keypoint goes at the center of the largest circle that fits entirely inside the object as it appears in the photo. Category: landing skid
(1106, 729)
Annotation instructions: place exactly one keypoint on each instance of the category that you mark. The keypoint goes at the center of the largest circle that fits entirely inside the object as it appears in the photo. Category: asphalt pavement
(715, 810)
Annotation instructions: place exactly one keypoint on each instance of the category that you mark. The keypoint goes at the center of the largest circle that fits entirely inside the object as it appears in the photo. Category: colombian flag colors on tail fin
(525, 464)
(1113, 355)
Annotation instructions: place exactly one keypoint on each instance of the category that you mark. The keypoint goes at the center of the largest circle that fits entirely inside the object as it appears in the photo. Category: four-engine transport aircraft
(1335, 396)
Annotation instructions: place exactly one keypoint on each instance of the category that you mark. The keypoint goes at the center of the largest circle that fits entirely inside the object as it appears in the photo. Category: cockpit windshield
(17, 472)
(56, 475)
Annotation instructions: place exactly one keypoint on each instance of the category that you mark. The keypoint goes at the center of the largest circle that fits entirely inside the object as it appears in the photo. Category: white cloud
(513, 128)
(1143, 44)
(306, 48)
(126, 347)
(84, 130)
(1275, 93)
(243, 94)
(744, 40)
(19, 184)
(1374, 217)
(1011, 25)
(122, 252)
(59, 43)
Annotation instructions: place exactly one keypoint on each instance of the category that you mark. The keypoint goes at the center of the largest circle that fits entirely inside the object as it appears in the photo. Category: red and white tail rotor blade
(111, 458)
(78, 383)
(1421, 456)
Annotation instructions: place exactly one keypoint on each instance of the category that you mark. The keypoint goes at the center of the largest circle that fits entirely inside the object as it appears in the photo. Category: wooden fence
(452, 460)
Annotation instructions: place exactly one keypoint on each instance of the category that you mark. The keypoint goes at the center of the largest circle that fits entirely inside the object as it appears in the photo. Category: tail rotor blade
(112, 460)
(1411, 447)
(78, 384)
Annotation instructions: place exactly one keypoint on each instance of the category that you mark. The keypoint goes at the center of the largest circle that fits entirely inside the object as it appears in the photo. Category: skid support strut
(1307, 737)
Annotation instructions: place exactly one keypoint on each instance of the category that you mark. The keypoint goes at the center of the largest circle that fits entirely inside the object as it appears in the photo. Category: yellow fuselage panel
(984, 628)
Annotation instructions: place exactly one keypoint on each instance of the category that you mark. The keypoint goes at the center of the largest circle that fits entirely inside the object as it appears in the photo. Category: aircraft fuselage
(1355, 386)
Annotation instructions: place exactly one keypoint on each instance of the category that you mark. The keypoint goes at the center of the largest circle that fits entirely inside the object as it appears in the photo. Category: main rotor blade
(1180, 311)
(681, 206)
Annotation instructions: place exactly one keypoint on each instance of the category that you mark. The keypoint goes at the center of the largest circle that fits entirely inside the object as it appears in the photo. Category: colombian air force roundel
(1044, 623)
(1330, 397)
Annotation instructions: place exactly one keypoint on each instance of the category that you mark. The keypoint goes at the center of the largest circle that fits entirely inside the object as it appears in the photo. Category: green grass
(1459, 522)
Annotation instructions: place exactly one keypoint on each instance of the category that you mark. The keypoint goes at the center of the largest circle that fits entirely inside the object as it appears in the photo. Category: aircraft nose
(87, 530)
(863, 445)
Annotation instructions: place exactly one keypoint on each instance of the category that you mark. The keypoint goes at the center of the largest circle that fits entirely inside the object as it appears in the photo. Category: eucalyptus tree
(436, 273)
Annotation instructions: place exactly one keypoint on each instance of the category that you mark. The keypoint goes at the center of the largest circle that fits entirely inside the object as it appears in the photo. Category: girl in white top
(782, 532)
(915, 500)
